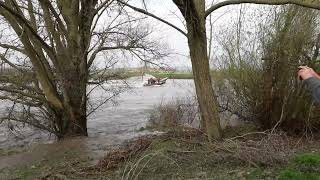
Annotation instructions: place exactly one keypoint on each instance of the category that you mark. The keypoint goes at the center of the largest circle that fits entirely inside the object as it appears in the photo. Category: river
(117, 120)
(108, 127)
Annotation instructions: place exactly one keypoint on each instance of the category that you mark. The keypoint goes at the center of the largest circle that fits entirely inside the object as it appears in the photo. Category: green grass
(309, 159)
(124, 75)
(303, 167)
(291, 174)
(185, 75)
(187, 159)
(176, 75)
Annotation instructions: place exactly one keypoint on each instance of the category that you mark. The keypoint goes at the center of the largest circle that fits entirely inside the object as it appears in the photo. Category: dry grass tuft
(114, 158)
(179, 112)
(273, 149)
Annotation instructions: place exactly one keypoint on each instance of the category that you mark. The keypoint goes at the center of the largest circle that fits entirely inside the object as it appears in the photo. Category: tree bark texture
(194, 14)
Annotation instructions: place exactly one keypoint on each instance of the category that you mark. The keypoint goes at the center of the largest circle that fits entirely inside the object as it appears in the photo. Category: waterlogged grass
(68, 165)
(8, 152)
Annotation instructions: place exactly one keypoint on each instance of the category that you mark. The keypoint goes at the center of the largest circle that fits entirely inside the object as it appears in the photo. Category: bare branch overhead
(154, 16)
(315, 4)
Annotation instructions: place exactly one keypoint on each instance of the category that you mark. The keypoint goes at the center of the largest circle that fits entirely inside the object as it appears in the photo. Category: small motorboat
(155, 82)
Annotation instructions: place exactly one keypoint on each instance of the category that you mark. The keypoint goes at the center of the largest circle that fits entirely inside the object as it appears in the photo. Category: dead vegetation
(183, 111)
(113, 158)
(185, 153)
(178, 154)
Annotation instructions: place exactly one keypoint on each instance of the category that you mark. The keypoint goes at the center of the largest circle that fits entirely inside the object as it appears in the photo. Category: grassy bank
(125, 75)
(175, 75)
(185, 154)
(184, 75)
(157, 74)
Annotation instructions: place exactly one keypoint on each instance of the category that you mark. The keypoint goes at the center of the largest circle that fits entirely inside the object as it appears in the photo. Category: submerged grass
(8, 152)
(62, 165)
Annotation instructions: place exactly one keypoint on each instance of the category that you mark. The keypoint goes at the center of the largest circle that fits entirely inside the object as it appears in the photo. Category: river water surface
(109, 126)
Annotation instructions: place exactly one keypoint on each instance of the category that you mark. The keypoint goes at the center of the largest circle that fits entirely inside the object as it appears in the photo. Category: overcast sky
(167, 10)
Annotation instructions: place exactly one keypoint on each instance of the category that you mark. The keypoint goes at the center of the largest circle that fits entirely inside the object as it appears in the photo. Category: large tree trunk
(194, 13)
(72, 119)
(205, 94)
(75, 104)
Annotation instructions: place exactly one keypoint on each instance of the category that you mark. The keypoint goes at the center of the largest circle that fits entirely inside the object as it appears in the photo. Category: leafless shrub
(113, 159)
(259, 66)
(270, 150)
(182, 111)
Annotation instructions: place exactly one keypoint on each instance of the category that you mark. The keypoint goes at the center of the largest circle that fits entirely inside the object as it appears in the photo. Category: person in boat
(312, 80)
(152, 81)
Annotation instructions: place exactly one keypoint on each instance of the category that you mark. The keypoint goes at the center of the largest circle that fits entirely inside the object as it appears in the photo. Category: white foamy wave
(138, 81)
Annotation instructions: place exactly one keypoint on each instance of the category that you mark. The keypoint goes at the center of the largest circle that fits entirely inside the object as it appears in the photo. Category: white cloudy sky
(174, 39)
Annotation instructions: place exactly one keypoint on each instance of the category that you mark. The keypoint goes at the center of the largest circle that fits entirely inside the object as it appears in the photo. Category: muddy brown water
(108, 127)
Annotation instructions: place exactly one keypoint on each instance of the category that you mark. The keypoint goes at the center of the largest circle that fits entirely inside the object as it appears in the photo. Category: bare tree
(52, 46)
(195, 13)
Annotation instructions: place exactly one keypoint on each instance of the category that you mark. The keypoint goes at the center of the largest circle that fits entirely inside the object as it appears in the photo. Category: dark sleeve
(313, 85)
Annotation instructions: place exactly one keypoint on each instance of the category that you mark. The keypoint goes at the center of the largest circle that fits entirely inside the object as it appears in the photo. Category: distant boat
(155, 82)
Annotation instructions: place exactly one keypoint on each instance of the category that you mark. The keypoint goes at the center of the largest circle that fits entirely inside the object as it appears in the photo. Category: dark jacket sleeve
(313, 85)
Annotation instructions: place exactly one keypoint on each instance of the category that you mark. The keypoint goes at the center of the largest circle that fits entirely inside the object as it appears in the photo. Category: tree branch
(94, 54)
(5, 60)
(24, 102)
(103, 5)
(314, 4)
(23, 22)
(154, 16)
(8, 46)
(22, 93)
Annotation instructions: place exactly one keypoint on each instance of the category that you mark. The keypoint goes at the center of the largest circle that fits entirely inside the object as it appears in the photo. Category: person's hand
(306, 72)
